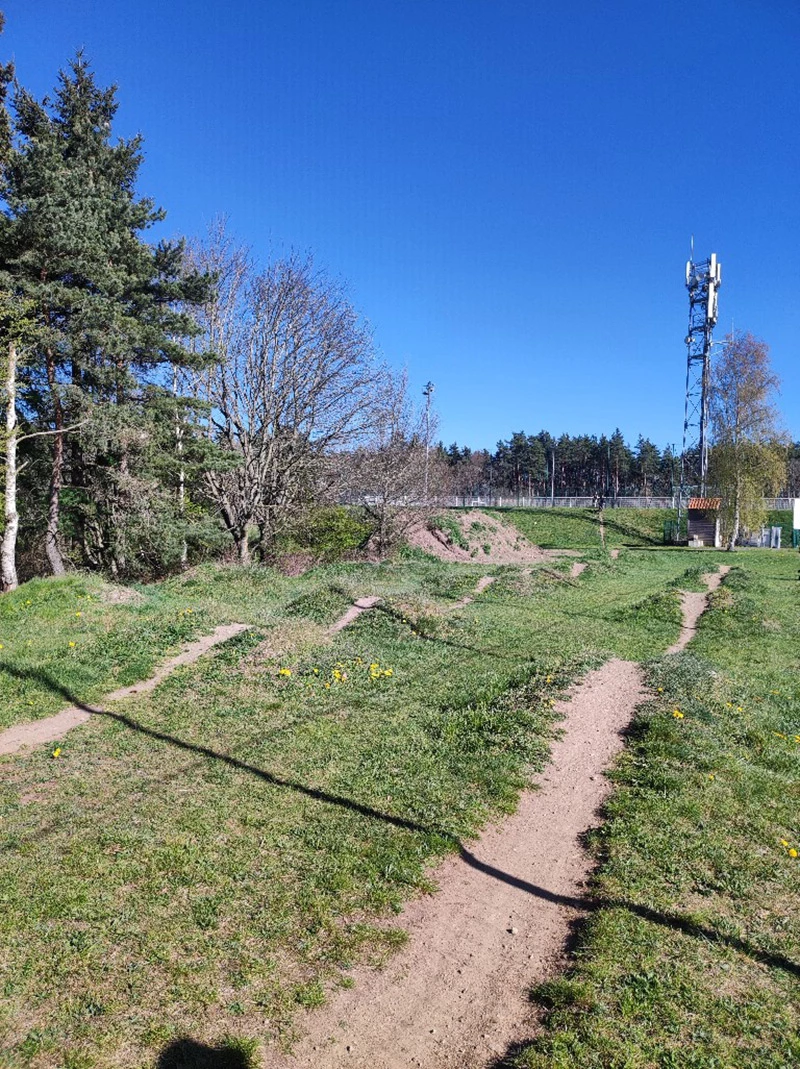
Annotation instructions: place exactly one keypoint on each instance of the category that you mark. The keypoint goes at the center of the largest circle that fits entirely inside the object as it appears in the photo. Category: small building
(703, 521)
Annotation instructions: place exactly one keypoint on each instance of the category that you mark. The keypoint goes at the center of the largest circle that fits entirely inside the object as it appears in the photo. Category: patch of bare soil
(52, 728)
(355, 610)
(693, 605)
(489, 541)
(121, 595)
(577, 569)
(480, 586)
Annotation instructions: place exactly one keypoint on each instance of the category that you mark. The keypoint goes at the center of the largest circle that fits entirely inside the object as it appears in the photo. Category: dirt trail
(455, 996)
(480, 586)
(693, 605)
(355, 610)
(52, 728)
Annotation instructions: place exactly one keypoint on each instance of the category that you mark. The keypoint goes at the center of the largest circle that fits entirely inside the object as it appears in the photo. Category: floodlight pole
(427, 393)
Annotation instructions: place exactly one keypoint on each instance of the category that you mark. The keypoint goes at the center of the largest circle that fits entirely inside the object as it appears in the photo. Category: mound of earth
(475, 537)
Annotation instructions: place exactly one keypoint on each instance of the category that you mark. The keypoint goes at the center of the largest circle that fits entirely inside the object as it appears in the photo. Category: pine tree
(107, 318)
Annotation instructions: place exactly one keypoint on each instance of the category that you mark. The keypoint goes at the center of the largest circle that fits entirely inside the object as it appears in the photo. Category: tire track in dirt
(456, 996)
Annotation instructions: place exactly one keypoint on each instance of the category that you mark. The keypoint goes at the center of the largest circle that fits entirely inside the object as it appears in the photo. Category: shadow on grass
(186, 1053)
(667, 920)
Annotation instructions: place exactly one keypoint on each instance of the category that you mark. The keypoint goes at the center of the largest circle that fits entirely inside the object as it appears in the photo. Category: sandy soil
(506, 544)
(52, 728)
(693, 605)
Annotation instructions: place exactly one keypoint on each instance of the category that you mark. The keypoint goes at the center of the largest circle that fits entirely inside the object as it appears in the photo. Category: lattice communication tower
(702, 281)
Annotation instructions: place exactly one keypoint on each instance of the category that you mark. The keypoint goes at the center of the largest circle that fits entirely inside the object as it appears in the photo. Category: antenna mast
(703, 280)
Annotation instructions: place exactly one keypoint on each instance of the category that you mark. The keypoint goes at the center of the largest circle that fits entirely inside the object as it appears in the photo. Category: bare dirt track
(52, 728)
(455, 996)
(693, 605)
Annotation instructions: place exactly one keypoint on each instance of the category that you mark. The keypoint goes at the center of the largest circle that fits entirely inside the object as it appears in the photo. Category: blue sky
(508, 188)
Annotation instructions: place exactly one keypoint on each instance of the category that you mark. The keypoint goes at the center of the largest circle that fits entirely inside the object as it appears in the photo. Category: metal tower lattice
(702, 281)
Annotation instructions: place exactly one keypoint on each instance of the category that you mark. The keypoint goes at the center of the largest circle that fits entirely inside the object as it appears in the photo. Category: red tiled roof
(705, 502)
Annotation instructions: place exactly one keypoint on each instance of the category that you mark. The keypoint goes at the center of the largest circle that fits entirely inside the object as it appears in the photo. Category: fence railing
(520, 501)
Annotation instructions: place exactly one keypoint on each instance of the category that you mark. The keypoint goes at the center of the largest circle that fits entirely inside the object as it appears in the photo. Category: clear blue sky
(508, 187)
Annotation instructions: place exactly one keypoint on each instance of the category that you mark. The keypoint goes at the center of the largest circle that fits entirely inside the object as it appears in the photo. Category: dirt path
(52, 728)
(355, 610)
(693, 605)
(480, 586)
(455, 996)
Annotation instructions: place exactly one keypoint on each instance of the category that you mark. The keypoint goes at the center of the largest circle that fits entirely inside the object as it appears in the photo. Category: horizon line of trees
(585, 465)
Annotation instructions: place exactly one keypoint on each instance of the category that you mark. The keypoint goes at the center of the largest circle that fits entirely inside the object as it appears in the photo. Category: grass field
(214, 857)
(563, 528)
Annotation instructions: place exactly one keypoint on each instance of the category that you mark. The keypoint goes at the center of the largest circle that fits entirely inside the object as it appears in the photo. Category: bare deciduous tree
(387, 474)
(295, 381)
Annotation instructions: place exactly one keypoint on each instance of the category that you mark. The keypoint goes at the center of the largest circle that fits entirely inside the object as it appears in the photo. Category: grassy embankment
(692, 959)
(564, 528)
(216, 856)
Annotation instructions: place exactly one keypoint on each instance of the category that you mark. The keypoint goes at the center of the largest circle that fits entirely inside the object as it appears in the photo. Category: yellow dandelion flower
(784, 842)
(57, 751)
(660, 690)
(780, 734)
(315, 671)
(677, 714)
(389, 672)
(286, 672)
(739, 709)
(71, 645)
(792, 852)
(79, 614)
(711, 775)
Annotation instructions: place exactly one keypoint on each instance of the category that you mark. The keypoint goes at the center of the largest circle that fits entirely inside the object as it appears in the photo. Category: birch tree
(749, 450)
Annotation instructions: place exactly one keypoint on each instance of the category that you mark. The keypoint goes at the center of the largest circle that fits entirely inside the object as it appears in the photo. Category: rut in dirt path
(456, 996)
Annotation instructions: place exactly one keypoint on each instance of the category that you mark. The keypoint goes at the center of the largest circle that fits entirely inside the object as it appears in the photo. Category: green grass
(216, 857)
(692, 957)
(564, 528)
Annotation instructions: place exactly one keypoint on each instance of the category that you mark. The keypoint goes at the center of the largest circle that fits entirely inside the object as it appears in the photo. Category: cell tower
(702, 281)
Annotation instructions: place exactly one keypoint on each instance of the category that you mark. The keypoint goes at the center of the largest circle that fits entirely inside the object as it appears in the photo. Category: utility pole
(427, 393)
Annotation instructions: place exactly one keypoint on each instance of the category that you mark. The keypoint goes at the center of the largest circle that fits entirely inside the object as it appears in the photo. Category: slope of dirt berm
(478, 538)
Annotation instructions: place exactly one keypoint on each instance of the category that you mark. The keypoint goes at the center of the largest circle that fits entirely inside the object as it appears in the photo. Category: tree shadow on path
(668, 920)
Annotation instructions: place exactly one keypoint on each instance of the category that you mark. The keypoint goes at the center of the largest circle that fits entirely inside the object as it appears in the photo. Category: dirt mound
(477, 538)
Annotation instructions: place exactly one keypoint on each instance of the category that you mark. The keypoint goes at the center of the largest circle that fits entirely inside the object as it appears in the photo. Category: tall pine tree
(111, 312)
